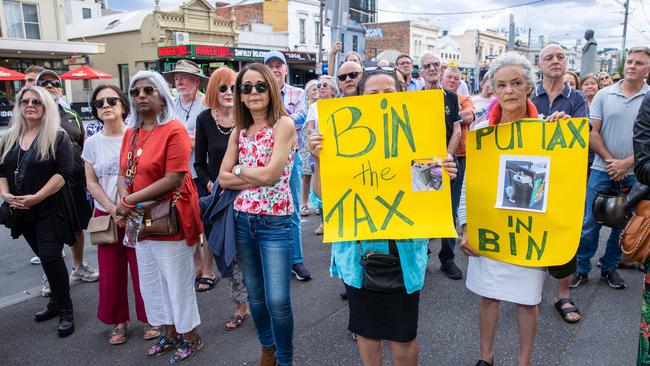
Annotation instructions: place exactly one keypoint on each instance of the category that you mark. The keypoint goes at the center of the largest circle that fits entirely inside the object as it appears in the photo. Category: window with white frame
(86, 13)
(317, 30)
(22, 20)
(302, 31)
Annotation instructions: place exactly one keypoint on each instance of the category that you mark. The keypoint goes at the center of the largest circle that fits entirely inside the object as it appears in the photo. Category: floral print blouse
(255, 151)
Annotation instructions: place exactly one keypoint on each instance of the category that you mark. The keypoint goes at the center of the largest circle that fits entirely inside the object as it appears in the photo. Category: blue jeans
(599, 182)
(264, 257)
(295, 184)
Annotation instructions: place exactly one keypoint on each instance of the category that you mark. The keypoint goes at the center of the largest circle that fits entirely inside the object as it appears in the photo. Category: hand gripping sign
(525, 190)
(381, 172)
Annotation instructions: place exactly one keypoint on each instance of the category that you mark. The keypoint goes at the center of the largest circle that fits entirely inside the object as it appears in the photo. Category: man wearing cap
(187, 77)
(405, 66)
(295, 102)
(431, 73)
(72, 125)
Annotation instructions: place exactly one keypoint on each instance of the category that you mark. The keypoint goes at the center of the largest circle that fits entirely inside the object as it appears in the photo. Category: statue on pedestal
(588, 62)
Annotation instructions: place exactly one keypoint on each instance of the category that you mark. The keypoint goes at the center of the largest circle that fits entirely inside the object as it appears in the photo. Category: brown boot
(268, 357)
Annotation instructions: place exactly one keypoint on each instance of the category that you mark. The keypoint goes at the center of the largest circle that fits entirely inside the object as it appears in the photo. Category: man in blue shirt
(552, 96)
(405, 66)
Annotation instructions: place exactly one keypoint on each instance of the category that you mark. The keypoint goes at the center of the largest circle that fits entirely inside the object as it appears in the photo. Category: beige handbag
(102, 230)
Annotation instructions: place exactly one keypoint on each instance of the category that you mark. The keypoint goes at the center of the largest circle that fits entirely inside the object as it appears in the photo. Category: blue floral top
(346, 260)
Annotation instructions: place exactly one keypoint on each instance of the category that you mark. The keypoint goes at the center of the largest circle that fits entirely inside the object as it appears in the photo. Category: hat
(453, 64)
(48, 72)
(187, 67)
(274, 54)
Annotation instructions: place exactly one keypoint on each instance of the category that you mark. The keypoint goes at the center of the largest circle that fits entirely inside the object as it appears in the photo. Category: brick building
(388, 40)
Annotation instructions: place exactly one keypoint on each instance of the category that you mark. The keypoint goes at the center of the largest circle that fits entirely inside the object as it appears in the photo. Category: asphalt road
(448, 328)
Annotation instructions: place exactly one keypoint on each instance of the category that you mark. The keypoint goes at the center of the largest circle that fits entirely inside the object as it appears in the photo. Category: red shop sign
(174, 51)
(212, 51)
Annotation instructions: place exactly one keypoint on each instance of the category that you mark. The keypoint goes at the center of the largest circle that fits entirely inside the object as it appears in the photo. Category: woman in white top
(101, 154)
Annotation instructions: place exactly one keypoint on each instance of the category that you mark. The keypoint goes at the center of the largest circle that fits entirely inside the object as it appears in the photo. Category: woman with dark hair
(258, 162)
(102, 156)
(589, 87)
(377, 316)
(36, 162)
(154, 165)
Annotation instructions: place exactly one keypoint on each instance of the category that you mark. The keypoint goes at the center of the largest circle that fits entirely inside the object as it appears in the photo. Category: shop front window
(22, 20)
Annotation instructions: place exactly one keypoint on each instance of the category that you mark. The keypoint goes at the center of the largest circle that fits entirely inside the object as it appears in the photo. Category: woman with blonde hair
(35, 165)
(258, 163)
(604, 80)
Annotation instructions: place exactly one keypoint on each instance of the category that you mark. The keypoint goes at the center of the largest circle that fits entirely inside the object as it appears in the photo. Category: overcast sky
(560, 20)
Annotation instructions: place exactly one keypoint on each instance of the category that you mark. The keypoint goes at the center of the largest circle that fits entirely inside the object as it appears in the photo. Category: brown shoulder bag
(160, 217)
(635, 238)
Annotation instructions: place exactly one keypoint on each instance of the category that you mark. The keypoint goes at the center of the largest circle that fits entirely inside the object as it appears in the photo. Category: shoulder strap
(20, 176)
(392, 248)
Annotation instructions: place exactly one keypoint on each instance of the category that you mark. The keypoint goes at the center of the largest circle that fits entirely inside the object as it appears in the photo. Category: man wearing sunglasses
(405, 66)
(72, 125)
(295, 102)
(349, 75)
(431, 72)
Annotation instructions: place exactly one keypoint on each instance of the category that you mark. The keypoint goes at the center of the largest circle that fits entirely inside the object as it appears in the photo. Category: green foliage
(620, 64)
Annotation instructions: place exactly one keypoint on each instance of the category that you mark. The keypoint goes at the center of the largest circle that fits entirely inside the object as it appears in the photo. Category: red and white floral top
(255, 151)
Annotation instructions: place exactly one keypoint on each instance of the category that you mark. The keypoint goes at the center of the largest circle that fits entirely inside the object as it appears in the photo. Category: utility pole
(319, 54)
(477, 63)
(511, 34)
(627, 10)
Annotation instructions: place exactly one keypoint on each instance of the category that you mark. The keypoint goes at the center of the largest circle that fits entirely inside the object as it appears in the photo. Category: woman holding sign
(377, 312)
(258, 162)
(512, 78)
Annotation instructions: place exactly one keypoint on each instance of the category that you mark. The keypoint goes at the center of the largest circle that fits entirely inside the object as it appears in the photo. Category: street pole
(319, 54)
(627, 10)
(336, 30)
(511, 33)
(477, 62)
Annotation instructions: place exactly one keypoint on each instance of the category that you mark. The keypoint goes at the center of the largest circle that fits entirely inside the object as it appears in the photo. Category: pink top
(255, 151)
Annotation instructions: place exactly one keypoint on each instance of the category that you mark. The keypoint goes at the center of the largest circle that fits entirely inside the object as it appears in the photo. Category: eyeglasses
(353, 75)
(148, 90)
(434, 64)
(224, 88)
(604, 78)
(322, 85)
(404, 63)
(99, 103)
(34, 102)
(44, 83)
(260, 86)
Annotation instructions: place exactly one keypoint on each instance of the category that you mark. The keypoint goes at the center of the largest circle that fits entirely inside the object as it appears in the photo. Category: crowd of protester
(240, 165)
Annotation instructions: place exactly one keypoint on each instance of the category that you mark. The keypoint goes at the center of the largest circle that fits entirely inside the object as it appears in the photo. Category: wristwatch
(237, 171)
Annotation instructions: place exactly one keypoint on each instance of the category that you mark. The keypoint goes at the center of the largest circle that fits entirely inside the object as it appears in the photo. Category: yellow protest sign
(525, 190)
(381, 172)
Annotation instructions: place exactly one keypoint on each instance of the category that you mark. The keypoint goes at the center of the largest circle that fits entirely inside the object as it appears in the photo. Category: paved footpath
(448, 328)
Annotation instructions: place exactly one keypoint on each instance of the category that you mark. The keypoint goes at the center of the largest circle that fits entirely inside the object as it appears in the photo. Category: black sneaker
(301, 272)
(578, 279)
(613, 279)
(452, 271)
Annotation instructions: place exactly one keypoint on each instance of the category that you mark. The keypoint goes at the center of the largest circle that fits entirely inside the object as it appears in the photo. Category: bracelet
(123, 202)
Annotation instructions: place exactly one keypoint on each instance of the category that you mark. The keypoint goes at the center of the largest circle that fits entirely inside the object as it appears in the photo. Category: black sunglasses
(224, 88)
(148, 90)
(434, 64)
(322, 85)
(44, 83)
(99, 103)
(260, 86)
(34, 102)
(353, 75)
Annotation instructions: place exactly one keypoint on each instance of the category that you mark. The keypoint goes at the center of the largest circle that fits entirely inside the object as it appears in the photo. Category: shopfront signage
(300, 56)
(175, 51)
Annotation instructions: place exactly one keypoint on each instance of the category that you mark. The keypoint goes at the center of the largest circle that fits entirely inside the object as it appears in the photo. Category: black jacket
(71, 124)
(642, 143)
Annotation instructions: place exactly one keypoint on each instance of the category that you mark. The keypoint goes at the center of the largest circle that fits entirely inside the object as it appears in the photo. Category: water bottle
(133, 226)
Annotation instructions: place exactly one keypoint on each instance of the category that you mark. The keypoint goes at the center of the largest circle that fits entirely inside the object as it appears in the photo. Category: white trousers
(166, 271)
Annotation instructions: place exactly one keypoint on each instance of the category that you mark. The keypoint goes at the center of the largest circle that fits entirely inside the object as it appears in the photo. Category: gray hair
(311, 83)
(331, 82)
(510, 58)
(428, 54)
(167, 114)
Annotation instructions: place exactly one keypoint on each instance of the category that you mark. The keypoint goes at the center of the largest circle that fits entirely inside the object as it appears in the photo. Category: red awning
(83, 73)
(7, 74)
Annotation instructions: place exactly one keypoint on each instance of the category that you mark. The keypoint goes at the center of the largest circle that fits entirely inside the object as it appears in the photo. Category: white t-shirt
(312, 114)
(189, 119)
(103, 153)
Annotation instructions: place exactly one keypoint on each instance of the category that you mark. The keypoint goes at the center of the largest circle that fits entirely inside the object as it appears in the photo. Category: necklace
(187, 111)
(131, 160)
(225, 132)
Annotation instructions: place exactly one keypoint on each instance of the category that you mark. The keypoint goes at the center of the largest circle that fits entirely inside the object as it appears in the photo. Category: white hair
(510, 58)
(331, 82)
(50, 124)
(167, 114)
(431, 54)
(311, 83)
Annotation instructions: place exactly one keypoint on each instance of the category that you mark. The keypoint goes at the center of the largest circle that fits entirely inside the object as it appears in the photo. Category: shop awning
(15, 47)
(85, 73)
(8, 74)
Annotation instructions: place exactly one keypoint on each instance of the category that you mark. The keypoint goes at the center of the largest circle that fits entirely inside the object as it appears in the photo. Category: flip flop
(151, 332)
(210, 282)
(236, 320)
(118, 335)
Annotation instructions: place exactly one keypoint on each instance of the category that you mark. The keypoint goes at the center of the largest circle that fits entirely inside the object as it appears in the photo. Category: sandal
(186, 350)
(304, 211)
(164, 345)
(319, 230)
(118, 335)
(235, 321)
(205, 281)
(568, 310)
(151, 332)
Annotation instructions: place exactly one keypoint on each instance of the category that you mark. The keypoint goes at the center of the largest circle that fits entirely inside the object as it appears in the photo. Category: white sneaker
(35, 260)
(45, 290)
(84, 273)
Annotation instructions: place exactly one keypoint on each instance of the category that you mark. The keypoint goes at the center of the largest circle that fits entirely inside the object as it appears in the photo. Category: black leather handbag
(382, 272)
(9, 217)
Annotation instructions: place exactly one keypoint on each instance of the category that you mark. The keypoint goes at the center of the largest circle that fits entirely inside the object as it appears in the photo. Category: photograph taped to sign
(523, 183)
(426, 174)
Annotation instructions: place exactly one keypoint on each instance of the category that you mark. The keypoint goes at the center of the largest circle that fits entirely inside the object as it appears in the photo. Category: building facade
(78, 10)
(390, 39)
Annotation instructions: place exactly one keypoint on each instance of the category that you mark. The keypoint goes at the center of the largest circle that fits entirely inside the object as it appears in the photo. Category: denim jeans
(295, 184)
(264, 257)
(599, 182)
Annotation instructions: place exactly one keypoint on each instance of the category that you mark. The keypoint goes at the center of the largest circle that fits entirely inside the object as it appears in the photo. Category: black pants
(446, 254)
(41, 237)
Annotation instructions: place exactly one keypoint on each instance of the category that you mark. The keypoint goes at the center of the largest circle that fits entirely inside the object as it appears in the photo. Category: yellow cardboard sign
(380, 167)
(525, 190)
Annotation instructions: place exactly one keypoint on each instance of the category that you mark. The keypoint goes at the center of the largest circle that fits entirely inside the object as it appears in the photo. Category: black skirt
(391, 317)
(82, 205)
